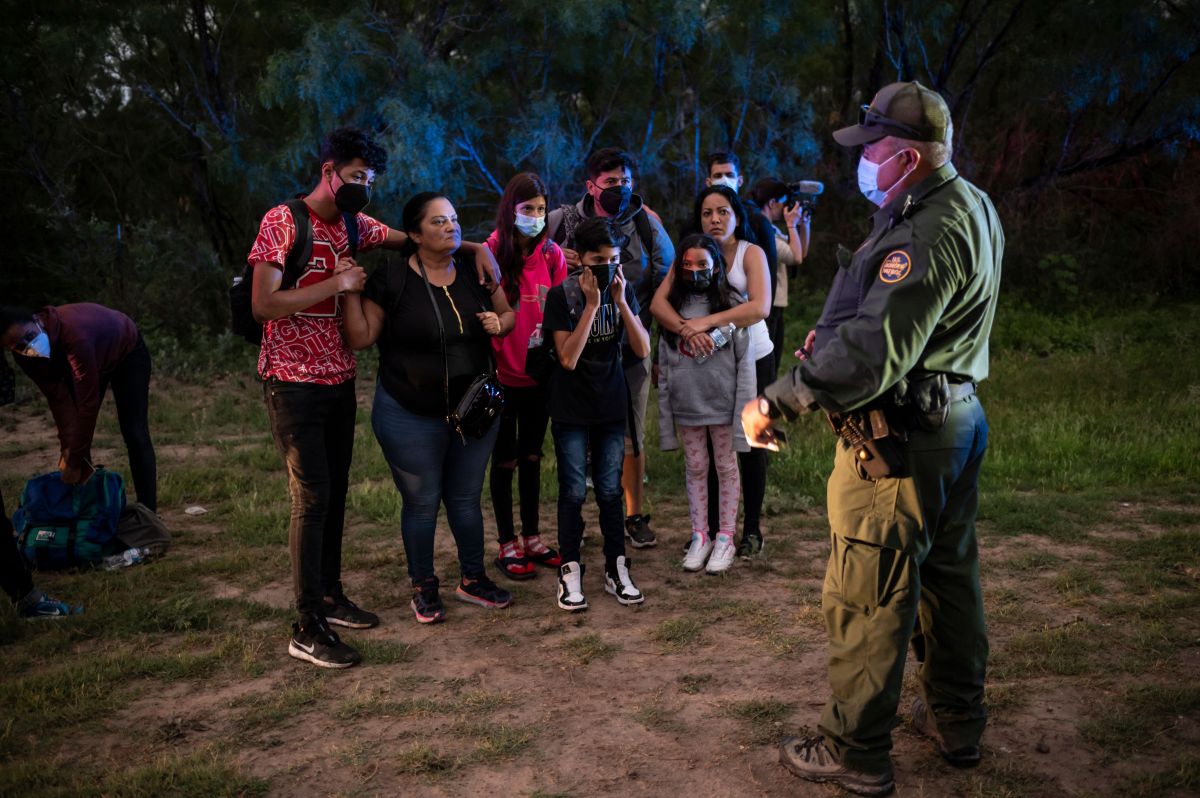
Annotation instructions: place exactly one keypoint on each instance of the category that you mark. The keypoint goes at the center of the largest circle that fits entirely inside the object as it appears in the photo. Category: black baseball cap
(904, 110)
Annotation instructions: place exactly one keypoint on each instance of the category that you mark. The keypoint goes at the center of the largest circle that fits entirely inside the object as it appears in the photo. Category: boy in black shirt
(591, 314)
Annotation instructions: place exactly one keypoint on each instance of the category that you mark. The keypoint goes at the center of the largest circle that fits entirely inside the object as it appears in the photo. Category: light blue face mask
(39, 346)
(530, 226)
(868, 179)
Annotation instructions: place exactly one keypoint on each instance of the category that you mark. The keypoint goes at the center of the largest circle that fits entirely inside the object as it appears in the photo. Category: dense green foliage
(144, 140)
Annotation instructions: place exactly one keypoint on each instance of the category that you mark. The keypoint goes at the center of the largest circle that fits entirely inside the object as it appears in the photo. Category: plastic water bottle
(720, 337)
(125, 559)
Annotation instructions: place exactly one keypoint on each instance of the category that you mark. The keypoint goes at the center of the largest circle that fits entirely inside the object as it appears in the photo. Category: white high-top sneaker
(697, 553)
(570, 587)
(722, 556)
(621, 585)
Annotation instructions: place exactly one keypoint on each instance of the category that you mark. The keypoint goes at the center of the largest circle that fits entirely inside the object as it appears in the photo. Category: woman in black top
(431, 463)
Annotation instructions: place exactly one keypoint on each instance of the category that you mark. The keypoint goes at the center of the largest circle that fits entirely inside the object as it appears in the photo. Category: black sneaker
(637, 529)
(750, 546)
(313, 641)
(426, 604)
(923, 721)
(810, 758)
(483, 592)
(341, 611)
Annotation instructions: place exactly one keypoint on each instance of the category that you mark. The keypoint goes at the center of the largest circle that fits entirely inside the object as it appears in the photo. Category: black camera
(804, 192)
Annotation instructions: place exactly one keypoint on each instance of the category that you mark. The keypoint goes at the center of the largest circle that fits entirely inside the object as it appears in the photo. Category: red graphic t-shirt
(308, 346)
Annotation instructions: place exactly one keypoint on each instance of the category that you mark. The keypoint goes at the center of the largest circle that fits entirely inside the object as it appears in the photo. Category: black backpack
(241, 308)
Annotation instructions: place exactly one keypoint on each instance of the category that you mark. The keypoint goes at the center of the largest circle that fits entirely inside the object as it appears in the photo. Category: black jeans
(130, 382)
(313, 427)
(775, 329)
(752, 464)
(14, 576)
(519, 448)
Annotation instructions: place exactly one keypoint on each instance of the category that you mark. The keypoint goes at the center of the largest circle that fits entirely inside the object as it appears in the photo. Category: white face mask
(868, 179)
(529, 226)
(729, 182)
(38, 347)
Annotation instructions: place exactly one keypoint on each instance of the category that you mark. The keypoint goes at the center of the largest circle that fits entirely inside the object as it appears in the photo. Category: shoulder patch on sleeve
(896, 266)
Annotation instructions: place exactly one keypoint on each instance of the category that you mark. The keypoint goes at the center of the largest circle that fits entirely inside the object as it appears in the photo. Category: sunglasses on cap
(870, 118)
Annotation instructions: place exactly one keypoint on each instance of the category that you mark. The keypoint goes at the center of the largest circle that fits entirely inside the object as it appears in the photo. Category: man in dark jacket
(645, 260)
(73, 353)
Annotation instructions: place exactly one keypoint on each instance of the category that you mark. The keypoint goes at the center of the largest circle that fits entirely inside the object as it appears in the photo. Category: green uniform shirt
(918, 296)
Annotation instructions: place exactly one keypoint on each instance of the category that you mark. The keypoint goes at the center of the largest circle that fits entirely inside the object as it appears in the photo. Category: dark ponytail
(413, 215)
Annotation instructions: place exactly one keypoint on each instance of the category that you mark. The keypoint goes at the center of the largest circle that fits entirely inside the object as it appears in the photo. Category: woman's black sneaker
(341, 611)
(426, 604)
(750, 546)
(313, 641)
(483, 592)
(637, 529)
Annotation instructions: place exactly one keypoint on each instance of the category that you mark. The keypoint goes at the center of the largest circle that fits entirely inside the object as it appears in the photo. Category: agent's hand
(350, 276)
(591, 290)
(758, 428)
(572, 258)
(490, 321)
(805, 352)
(617, 289)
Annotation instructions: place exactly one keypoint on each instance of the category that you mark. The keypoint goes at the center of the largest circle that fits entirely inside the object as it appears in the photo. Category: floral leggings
(695, 458)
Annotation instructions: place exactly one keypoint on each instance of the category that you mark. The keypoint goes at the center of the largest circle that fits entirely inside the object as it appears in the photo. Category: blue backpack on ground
(63, 526)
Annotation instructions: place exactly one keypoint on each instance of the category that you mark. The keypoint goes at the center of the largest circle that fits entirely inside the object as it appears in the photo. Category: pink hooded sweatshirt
(544, 268)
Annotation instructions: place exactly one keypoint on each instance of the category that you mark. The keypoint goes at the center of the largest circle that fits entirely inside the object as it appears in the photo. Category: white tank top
(760, 337)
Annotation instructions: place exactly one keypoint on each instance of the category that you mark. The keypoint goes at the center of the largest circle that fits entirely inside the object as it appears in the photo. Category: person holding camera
(895, 359)
(776, 203)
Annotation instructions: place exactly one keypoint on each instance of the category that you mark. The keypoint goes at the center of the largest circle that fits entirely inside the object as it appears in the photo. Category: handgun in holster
(877, 445)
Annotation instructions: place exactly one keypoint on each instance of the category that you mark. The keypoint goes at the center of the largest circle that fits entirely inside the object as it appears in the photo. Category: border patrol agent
(894, 361)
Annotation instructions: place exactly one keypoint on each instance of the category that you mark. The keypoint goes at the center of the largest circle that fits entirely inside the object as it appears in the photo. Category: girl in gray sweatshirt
(701, 393)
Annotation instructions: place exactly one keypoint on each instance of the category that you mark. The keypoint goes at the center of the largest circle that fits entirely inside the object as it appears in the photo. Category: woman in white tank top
(720, 214)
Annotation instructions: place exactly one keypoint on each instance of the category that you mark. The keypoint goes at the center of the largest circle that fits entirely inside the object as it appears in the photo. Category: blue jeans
(431, 466)
(607, 442)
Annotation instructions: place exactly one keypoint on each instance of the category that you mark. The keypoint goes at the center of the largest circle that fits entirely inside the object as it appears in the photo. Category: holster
(876, 443)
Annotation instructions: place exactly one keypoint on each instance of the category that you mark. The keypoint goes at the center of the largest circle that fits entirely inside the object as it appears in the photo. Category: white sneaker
(570, 587)
(722, 556)
(697, 553)
(621, 585)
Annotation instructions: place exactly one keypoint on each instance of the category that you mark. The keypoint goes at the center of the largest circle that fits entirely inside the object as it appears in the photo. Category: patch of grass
(385, 652)
(1001, 777)
(763, 718)
(1144, 714)
(201, 774)
(589, 647)
(1183, 775)
(495, 742)
(1031, 561)
(297, 692)
(1063, 651)
(654, 715)
(676, 634)
(693, 683)
(1076, 583)
(423, 760)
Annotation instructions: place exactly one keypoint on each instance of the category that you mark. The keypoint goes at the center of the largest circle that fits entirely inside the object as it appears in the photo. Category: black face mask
(615, 199)
(604, 274)
(351, 197)
(699, 281)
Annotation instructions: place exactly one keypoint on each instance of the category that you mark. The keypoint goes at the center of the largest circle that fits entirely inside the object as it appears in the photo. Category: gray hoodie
(701, 394)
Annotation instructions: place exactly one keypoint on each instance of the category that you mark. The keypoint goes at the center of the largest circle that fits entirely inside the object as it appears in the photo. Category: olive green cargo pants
(904, 549)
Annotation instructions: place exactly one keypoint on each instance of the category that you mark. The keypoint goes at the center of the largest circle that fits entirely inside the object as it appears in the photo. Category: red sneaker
(540, 553)
(513, 563)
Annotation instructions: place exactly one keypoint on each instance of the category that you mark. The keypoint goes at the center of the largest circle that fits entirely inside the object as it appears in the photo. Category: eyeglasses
(869, 118)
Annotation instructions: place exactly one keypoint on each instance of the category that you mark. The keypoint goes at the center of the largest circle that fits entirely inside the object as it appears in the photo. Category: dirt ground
(687, 694)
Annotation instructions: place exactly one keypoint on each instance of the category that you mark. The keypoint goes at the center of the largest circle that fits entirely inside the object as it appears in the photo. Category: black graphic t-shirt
(594, 393)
